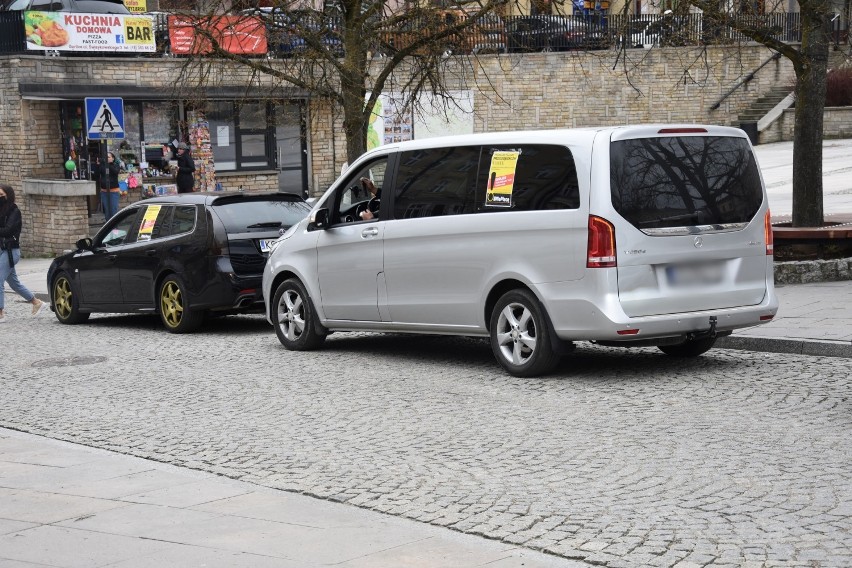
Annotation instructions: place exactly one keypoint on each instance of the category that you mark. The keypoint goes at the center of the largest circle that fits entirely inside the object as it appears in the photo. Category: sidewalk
(66, 505)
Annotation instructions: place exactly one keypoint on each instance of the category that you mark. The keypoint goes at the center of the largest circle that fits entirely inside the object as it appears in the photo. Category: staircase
(761, 108)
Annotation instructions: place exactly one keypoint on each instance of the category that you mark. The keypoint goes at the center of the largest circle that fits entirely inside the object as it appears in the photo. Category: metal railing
(512, 34)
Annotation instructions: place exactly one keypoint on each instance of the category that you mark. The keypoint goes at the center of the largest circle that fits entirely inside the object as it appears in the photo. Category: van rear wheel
(521, 335)
(689, 348)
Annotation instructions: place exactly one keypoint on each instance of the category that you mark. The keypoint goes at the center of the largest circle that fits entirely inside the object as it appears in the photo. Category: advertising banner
(244, 35)
(71, 31)
(501, 179)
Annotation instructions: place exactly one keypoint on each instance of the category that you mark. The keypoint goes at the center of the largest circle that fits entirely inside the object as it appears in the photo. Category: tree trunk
(811, 70)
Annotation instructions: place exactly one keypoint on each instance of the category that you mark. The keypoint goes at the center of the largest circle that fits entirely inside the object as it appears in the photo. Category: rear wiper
(264, 225)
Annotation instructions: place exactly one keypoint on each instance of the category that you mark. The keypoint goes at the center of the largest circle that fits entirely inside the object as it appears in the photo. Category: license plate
(266, 244)
(690, 275)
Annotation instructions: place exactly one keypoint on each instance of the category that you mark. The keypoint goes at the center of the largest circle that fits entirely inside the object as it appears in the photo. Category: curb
(791, 346)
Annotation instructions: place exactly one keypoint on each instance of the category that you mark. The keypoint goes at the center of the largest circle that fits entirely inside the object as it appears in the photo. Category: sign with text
(136, 6)
(70, 31)
(245, 35)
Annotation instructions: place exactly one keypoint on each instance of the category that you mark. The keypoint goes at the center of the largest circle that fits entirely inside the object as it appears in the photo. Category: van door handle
(151, 252)
(369, 233)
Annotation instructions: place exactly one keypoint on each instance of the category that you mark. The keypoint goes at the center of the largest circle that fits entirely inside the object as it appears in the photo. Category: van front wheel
(689, 348)
(521, 336)
(293, 316)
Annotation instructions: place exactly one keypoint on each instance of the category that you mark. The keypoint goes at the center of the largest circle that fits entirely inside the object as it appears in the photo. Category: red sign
(244, 35)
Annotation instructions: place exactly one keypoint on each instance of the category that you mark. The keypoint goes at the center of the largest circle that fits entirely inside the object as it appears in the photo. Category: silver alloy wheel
(291, 315)
(516, 333)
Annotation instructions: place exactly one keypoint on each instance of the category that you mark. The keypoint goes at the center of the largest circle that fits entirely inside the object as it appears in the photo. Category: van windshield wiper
(268, 224)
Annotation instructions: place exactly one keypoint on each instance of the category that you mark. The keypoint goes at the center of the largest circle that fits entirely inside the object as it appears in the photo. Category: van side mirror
(84, 244)
(319, 219)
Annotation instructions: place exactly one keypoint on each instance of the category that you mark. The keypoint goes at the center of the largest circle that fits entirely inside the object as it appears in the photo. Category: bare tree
(810, 62)
(349, 52)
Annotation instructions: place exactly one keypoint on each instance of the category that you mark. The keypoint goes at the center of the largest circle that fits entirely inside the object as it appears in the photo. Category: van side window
(436, 182)
(545, 177)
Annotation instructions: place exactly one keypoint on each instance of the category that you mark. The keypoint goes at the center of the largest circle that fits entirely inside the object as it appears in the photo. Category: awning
(72, 92)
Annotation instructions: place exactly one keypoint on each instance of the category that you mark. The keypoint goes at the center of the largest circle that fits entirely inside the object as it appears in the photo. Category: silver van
(651, 235)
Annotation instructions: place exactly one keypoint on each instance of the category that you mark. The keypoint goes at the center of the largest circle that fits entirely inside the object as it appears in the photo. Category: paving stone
(731, 458)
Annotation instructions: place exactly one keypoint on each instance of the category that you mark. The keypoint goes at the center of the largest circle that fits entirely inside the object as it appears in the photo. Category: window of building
(241, 135)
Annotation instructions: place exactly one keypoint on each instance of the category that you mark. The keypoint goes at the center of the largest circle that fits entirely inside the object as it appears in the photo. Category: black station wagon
(183, 257)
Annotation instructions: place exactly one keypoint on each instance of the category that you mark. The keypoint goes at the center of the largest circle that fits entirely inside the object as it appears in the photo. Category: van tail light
(767, 235)
(601, 250)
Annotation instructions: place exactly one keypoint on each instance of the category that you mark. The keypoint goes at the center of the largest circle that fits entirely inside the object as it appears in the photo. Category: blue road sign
(104, 118)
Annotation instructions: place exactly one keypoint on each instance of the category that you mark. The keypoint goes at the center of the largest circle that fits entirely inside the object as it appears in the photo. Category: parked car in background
(182, 257)
(286, 31)
(85, 6)
(544, 32)
(485, 35)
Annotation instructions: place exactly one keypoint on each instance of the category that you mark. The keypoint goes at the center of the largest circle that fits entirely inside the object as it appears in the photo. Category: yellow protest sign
(501, 179)
(148, 221)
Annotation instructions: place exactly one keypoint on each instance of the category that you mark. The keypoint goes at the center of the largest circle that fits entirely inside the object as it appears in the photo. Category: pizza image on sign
(44, 30)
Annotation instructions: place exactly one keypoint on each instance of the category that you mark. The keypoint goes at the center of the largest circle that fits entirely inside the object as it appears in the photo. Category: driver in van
(375, 196)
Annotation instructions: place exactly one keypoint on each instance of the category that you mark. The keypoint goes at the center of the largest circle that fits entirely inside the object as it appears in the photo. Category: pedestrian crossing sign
(104, 118)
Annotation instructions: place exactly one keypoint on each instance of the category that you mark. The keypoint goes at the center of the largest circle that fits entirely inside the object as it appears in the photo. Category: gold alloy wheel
(171, 304)
(62, 297)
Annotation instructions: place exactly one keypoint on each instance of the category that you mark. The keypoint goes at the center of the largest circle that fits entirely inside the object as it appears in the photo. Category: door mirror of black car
(319, 219)
(84, 244)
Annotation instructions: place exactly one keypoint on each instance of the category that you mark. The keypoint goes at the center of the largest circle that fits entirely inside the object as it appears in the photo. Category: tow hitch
(710, 333)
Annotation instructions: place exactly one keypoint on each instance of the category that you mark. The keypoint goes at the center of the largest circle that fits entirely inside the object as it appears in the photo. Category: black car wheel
(176, 316)
(65, 303)
(692, 348)
(520, 335)
(294, 318)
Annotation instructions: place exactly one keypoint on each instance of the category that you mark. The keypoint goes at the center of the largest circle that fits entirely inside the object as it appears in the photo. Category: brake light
(682, 131)
(766, 318)
(627, 332)
(601, 249)
(767, 234)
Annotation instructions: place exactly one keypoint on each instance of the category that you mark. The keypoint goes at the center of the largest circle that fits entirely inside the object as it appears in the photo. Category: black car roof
(211, 197)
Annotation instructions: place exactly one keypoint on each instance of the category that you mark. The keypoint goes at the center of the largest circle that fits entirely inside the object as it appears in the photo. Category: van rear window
(684, 181)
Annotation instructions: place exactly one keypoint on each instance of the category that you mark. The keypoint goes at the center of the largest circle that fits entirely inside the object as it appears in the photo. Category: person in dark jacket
(10, 235)
(110, 192)
(185, 168)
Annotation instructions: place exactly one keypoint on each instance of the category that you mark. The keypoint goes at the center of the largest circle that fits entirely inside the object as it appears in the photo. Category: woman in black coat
(185, 167)
(10, 236)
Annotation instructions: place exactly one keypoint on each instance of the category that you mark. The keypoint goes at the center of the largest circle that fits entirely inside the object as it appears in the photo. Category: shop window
(241, 134)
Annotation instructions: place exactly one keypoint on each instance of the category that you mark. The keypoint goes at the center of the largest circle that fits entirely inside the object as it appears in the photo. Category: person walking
(185, 167)
(10, 234)
(110, 192)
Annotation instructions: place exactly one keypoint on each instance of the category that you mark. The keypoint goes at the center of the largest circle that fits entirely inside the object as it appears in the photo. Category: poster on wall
(70, 31)
(392, 122)
(234, 34)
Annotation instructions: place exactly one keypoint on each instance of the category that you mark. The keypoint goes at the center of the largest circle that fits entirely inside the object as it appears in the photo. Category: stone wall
(55, 215)
(837, 123)
(803, 272)
(547, 90)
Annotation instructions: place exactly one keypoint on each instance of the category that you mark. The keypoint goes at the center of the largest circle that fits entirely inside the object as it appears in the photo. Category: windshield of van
(684, 181)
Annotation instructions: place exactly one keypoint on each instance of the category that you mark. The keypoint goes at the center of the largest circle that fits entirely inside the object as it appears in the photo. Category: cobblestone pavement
(621, 458)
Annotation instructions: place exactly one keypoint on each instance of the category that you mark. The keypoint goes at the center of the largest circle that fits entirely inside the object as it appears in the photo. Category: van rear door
(690, 221)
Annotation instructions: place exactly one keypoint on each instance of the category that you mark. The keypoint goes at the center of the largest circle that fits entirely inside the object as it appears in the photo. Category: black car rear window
(246, 215)
(684, 181)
